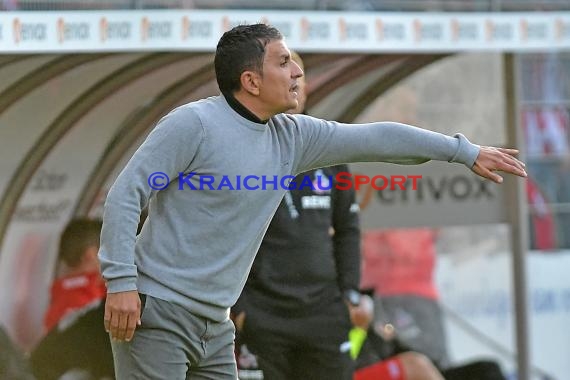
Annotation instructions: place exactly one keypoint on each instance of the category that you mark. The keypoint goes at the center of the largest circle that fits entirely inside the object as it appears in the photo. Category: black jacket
(300, 266)
(13, 365)
(79, 342)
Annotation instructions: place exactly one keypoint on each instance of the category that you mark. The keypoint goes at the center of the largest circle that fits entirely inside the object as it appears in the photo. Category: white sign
(324, 31)
(478, 290)
(434, 194)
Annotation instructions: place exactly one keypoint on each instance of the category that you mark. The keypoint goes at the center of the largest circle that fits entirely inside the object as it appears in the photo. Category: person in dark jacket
(380, 355)
(13, 364)
(294, 311)
(75, 340)
(77, 343)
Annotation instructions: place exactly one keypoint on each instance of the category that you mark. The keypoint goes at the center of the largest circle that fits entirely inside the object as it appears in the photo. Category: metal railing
(345, 5)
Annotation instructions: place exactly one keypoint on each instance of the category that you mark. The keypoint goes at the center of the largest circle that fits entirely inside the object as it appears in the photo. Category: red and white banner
(199, 30)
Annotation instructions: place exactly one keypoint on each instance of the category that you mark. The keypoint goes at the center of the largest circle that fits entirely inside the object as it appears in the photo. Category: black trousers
(418, 322)
(300, 347)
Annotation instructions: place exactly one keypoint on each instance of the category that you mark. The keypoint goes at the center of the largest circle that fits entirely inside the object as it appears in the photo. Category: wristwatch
(352, 297)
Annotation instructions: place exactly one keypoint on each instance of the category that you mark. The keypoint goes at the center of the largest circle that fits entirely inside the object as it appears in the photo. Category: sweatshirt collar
(242, 110)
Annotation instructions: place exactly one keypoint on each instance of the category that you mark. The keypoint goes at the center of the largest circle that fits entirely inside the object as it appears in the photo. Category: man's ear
(250, 82)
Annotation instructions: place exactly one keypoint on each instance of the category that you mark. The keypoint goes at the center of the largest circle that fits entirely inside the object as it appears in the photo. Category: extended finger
(513, 166)
(123, 321)
(515, 161)
(107, 319)
(131, 325)
(114, 326)
(511, 153)
(507, 168)
(508, 151)
(486, 173)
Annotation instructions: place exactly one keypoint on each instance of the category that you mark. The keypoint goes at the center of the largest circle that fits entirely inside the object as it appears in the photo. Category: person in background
(399, 265)
(293, 313)
(13, 363)
(369, 350)
(380, 355)
(81, 283)
(75, 342)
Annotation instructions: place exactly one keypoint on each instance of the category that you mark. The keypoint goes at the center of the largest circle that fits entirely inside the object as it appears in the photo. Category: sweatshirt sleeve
(326, 143)
(346, 239)
(168, 149)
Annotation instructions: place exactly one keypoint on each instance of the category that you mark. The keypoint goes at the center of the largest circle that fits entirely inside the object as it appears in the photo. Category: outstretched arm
(326, 143)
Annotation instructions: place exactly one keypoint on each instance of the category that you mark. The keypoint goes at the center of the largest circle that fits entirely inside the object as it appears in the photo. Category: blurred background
(83, 82)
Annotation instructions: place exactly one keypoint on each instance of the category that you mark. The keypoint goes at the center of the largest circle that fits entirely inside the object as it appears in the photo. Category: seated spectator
(81, 283)
(377, 359)
(76, 339)
(13, 365)
(380, 355)
(78, 344)
(399, 265)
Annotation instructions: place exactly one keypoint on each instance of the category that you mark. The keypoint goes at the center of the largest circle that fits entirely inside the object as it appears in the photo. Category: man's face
(301, 95)
(279, 89)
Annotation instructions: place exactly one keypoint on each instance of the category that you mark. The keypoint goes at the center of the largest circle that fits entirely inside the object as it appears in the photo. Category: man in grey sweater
(176, 281)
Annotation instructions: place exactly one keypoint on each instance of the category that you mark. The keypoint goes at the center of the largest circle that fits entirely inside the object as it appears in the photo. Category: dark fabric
(479, 370)
(242, 110)
(307, 347)
(419, 324)
(296, 319)
(299, 267)
(13, 365)
(77, 342)
(376, 348)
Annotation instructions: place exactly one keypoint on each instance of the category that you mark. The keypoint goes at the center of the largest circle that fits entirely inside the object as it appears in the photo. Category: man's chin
(293, 107)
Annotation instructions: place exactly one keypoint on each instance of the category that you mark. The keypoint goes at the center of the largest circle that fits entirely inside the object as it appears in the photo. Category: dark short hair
(240, 49)
(78, 235)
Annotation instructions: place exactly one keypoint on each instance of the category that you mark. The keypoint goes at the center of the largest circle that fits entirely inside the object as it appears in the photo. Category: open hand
(122, 314)
(491, 160)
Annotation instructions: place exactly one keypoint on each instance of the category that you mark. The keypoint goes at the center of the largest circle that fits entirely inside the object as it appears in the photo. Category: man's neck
(242, 109)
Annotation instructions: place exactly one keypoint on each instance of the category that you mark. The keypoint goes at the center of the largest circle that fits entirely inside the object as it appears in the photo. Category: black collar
(242, 110)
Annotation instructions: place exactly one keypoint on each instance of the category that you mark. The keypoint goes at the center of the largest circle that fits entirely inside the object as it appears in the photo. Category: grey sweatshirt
(197, 246)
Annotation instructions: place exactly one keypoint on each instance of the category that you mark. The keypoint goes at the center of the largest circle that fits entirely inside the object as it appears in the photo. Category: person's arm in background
(238, 312)
(346, 240)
